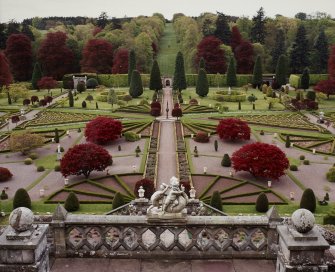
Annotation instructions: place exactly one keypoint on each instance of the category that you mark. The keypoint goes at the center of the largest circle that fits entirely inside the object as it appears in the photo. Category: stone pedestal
(24, 251)
(301, 251)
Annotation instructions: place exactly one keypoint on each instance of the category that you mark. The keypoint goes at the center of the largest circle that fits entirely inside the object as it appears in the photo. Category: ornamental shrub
(40, 168)
(72, 203)
(118, 201)
(331, 174)
(226, 162)
(193, 101)
(262, 203)
(302, 157)
(329, 219)
(131, 136)
(3, 195)
(311, 95)
(216, 145)
(33, 156)
(57, 168)
(83, 104)
(91, 83)
(293, 167)
(28, 161)
(81, 87)
(287, 142)
(5, 174)
(21, 199)
(155, 112)
(306, 162)
(201, 137)
(216, 201)
(308, 200)
(148, 186)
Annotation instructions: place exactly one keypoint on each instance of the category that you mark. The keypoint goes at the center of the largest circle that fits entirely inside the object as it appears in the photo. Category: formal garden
(241, 136)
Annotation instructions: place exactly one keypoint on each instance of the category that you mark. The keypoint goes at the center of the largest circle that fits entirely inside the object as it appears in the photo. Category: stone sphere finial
(21, 219)
(303, 220)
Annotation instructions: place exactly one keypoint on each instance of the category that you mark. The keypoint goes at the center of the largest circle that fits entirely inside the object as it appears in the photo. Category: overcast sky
(21, 9)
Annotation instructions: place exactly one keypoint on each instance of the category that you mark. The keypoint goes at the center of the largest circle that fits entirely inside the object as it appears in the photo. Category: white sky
(21, 9)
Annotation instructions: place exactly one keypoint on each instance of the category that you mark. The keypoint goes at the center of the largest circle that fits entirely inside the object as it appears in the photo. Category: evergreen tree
(37, 75)
(131, 64)
(222, 31)
(72, 203)
(226, 162)
(202, 64)
(304, 81)
(279, 48)
(71, 100)
(118, 201)
(112, 97)
(281, 70)
(262, 203)
(136, 87)
(9, 99)
(308, 200)
(258, 27)
(26, 31)
(231, 73)
(299, 57)
(216, 201)
(21, 199)
(257, 77)
(102, 20)
(202, 83)
(155, 77)
(179, 79)
(288, 141)
(320, 54)
(56, 135)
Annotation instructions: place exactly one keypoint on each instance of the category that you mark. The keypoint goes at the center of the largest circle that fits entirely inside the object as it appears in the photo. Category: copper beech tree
(47, 83)
(233, 129)
(103, 130)
(82, 159)
(261, 160)
(6, 77)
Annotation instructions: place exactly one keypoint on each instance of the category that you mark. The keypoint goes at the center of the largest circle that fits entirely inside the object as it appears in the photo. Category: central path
(167, 163)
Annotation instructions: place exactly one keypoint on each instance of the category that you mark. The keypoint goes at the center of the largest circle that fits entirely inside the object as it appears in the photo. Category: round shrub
(308, 200)
(21, 199)
(5, 174)
(302, 157)
(40, 168)
(148, 186)
(193, 101)
(28, 161)
(131, 136)
(91, 83)
(57, 168)
(293, 167)
(226, 162)
(306, 162)
(311, 95)
(262, 203)
(155, 112)
(201, 137)
(81, 87)
(33, 156)
(118, 201)
(72, 203)
(3, 195)
(331, 174)
(216, 201)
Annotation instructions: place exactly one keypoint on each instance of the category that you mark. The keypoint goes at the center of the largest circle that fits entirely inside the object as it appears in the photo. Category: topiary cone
(21, 199)
(72, 203)
(262, 203)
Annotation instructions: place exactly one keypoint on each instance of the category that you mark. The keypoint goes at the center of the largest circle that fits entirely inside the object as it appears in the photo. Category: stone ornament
(170, 199)
(21, 219)
(303, 220)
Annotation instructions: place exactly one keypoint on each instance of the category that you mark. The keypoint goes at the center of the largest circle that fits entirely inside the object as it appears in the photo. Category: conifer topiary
(71, 100)
(216, 201)
(287, 142)
(308, 200)
(21, 199)
(72, 203)
(262, 203)
(136, 87)
(118, 201)
(56, 136)
(226, 162)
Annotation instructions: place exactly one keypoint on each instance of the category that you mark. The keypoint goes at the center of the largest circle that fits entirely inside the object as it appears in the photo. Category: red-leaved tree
(103, 130)
(97, 57)
(326, 86)
(233, 129)
(47, 83)
(209, 49)
(331, 63)
(236, 38)
(244, 54)
(20, 56)
(55, 57)
(120, 63)
(82, 159)
(177, 112)
(261, 160)
(6, 77)
(34, 99)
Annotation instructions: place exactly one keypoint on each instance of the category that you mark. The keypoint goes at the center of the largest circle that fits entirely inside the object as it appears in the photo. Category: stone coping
(80, 219)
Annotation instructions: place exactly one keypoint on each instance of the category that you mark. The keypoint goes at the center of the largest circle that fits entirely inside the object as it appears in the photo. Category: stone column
(301, 246)
(272, 237)
(58, 227)
(23, 245)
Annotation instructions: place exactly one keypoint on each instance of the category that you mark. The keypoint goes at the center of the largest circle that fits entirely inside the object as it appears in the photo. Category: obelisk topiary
(71, 100)
(288, 141)
(56, 136)
(202, 83)
(131, 64)
(257, 77)
(231, 73)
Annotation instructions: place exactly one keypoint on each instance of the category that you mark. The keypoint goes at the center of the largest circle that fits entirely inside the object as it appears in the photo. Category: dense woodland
(63, 45)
